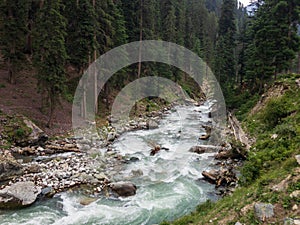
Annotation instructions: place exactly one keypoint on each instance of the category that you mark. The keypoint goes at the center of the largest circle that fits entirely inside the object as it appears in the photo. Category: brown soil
(23, 98)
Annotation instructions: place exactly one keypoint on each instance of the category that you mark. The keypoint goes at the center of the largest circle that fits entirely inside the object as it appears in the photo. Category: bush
(274, 112)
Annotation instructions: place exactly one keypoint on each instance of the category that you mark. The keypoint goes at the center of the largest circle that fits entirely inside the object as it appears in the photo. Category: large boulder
(152, 124)
(19, 195)
(123, 189)
(264, 211)
(9, 167)
(36, 137)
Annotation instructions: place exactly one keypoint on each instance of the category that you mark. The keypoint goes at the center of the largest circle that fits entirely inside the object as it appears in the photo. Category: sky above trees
(245, 2)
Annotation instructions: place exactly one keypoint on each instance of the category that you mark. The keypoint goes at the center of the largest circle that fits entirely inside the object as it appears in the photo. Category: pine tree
(274, 41)
(80, 41)
(50, 52)
(225, 57)
(14, 17)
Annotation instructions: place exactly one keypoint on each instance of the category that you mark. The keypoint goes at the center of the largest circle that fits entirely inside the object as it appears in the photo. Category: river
(169, 183)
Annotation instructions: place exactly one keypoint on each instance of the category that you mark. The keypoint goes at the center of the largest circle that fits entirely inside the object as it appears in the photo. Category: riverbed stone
(101, 176)
(123, 189)
(9, 167)
(197, 149)
(111, 136)
(19, 195)
(152, 124)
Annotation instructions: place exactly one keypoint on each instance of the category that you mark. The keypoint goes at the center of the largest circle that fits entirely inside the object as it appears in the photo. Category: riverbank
(129, 160)
(269, 188)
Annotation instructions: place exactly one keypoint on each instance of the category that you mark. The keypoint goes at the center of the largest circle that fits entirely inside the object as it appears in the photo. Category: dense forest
(246, 47)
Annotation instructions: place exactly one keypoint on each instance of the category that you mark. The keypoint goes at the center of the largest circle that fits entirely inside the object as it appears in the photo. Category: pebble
(295, 207)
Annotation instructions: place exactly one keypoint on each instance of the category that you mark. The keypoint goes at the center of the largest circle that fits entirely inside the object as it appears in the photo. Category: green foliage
(81, 30)
(274, 112)
(225, 57)
(51, 55)
(277, 132)
(15, 131)
(272, 40)
(13, 29)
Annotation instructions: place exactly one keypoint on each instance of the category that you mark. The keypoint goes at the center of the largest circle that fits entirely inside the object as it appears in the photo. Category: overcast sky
(245, 2)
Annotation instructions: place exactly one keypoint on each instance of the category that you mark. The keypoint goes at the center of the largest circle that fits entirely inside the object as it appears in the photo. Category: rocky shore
(53, 166)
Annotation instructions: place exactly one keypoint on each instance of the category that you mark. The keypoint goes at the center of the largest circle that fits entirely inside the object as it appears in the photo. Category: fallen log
(238, 132)
(62, 148)
(210, 176)
(200, 149)
(224, 177)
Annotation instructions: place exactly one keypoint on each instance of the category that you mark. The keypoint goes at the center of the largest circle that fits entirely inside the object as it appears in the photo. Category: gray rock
(264, 211)
(111, 136)
(297, 221)
(9, 167)
(283, 185)
(295, 194)
(238, 223)
(152, 124)
(101, 176)
(142, 125)
(18, 195)
(33, 168)
(84, 147)
(48, 191)
(86, 177)
(288, 221)
(37, 135)
(123, 189)
(137, 172)
(298, 159)
(298, 82)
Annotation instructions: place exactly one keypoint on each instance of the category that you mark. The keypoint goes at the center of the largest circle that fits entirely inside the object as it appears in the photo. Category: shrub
(274, 112)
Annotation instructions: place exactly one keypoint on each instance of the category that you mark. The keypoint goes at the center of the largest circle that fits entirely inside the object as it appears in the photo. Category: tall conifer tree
(14, 17)
(50, 52)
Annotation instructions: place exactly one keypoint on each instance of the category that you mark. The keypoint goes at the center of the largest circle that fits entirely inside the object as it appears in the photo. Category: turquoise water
(170, 185)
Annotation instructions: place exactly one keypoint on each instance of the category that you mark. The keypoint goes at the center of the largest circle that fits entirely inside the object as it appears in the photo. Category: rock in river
(197, 149)
(123, 189)
(152, 124)
(18, 195)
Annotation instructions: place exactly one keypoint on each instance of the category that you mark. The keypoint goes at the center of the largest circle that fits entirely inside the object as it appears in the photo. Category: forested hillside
(245, 50)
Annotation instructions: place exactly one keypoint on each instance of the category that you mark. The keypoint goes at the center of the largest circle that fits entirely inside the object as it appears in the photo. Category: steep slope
(271, 173)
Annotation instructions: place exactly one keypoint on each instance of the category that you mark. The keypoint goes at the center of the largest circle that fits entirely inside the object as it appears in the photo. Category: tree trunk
(95, 72)
(11, 74)
(83, 101)
(140, 49)
(52, 108)
(10, 63)
(28, 47)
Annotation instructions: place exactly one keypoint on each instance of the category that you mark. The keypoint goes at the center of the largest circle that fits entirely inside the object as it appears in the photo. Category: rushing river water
(169, 183)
